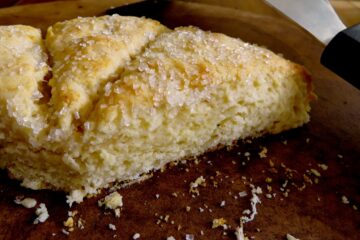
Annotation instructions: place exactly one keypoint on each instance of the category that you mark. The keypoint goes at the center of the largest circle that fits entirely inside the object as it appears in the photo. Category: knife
(342, 45)
(342, 51)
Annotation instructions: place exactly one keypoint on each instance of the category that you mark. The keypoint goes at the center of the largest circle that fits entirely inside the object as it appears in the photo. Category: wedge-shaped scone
(129, 95)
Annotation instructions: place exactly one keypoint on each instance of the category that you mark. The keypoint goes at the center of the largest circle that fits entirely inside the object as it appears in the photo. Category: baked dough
(111, 98)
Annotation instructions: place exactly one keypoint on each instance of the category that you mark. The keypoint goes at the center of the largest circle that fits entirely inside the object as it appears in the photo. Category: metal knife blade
(316, 16)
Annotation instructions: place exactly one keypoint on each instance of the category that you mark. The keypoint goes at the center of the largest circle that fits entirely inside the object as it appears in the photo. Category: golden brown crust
(309, 81)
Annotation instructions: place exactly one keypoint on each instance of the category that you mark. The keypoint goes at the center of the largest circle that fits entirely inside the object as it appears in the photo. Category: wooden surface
(348, 10)
(331, 138)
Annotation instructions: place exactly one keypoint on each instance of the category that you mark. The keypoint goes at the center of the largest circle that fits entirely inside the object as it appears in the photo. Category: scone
(111, 98)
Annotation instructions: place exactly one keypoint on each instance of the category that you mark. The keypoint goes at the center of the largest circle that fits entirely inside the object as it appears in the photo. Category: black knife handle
(342, 55)
(147, 8)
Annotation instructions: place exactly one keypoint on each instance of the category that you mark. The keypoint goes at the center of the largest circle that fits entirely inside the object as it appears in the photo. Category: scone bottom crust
(111, 98)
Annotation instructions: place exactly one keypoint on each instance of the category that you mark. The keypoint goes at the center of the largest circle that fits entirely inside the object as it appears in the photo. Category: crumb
(117, 212)
(340, 156)
(170, 238)
(222, 204)
(324, 167)
(188, 208)
(201, 209)
(239, 232)
(268, 180)
(69, 223)
(189, 237)
(307, 179)
(26, 202)
(246, 211)
(254, 201)
(112, 201)
(202, 233)
(200, 181)
(72, 213)
(290, 237)
(271, 163)
(257, 190)
(80, 223)
(65, 232)
(218, 222)
(174, 194)
(157, 196)
(355, 207)
(112, 227)
(344, 200)
(243, 194)
(42, 214)
(315, 172)
(263, 152)
(136, 236)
